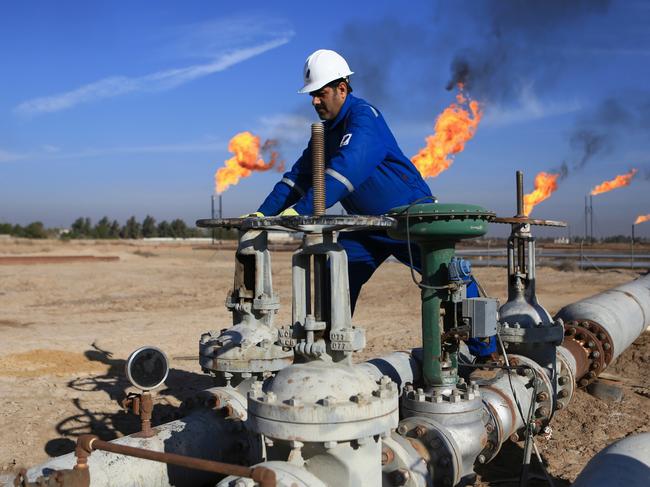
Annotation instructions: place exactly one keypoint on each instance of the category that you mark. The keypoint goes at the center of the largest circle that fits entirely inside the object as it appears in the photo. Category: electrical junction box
(481, 315)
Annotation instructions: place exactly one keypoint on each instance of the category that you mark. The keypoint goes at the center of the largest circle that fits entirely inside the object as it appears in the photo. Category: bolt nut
(489, 428)
(420, 431)
(293, 402)
(563, 393)
(385, 380)
(542, 396)
(562, 380)
(330, 444)
(606, 346)
(402, 429)
(399, 477)
(542, 412)
(269, 397)
(481, 459)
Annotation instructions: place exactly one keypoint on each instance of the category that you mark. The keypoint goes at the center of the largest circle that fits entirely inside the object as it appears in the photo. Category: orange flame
(618, 182)
(641, 219)
(545, 185)
(246, 149)
(454, 127)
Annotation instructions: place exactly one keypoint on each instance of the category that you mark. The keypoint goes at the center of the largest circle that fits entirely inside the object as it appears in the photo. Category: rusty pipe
(264, 476)
(318, 167)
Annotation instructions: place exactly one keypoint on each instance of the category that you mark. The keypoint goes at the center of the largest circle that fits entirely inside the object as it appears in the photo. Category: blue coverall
(368, 174)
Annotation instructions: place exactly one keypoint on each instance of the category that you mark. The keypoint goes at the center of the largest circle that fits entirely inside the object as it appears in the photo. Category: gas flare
(545, 185)
(641, 219)
(454, 127)
(618, 182)
(246, 149)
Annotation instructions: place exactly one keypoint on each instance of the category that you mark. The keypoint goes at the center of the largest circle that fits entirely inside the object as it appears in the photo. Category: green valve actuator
(436, 228)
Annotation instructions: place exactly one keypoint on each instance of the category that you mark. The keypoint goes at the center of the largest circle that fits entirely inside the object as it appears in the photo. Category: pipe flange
(544, 398)
(565, 383)
(458, 399)
(436, 445)
(243, 349)
(314, 403)
(515, 333)
(494, 436)
(601, 334)
(593, 352)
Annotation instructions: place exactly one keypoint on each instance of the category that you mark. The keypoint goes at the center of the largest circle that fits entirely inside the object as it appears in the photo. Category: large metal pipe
(402, 367)
(202, 434)
(606, 324)
(626, 462)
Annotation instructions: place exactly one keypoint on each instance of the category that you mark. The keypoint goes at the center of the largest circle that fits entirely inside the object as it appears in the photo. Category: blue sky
(121, 108)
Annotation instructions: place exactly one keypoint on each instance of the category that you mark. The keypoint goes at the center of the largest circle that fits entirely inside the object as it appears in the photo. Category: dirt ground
(66, 330)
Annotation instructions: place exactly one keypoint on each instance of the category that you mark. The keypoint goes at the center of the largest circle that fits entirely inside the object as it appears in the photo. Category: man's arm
(361, 151)
(293, 185)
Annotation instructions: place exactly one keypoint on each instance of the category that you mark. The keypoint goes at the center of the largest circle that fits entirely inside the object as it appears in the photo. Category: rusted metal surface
(262, 475)
(141, 405)
(55, 259)
(591, 347)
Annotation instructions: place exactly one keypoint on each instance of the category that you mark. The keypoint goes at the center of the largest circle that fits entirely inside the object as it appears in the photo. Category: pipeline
(488, 413)
(202, 434)
(600, 328)
(626, 462)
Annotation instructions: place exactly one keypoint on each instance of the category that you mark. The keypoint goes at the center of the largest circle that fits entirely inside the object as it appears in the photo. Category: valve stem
(318, 167)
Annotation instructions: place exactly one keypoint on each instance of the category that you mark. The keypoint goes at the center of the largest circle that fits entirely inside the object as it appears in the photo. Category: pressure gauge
(147, 368)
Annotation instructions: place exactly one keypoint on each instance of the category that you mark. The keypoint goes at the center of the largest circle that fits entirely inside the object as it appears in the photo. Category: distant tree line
(106, 228)
(33, 230)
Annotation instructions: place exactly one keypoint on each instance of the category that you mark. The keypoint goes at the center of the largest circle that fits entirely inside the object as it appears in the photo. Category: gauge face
(147, 368)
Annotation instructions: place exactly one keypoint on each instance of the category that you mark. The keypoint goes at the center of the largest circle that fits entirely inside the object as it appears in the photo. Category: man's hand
(257, 214)
(289, 212)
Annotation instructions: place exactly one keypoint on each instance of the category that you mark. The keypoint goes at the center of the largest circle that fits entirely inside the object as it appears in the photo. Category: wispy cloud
(8, 156)
(159, 81)
(53, 153)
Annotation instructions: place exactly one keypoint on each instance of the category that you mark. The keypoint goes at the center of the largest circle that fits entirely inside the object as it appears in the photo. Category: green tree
(164, 230)
(178, 228)
(131, 229)
(149, 227)
(35, 230)
(81, 228)
(114, 231)
(102, 228)
(18, 231)
(6, 228)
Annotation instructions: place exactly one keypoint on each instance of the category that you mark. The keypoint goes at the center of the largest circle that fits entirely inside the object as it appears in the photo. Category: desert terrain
(67, 328)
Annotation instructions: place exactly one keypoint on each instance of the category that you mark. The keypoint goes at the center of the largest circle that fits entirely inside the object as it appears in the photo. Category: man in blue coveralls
(366, 170)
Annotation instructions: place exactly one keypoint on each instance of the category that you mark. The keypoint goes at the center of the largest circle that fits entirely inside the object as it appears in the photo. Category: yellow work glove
(257, 214)
(289, 212)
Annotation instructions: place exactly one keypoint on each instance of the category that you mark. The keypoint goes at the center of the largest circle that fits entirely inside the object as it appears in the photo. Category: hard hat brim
(317, 85)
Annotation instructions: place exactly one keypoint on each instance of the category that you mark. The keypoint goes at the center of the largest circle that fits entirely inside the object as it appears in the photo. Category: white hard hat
(322, 67)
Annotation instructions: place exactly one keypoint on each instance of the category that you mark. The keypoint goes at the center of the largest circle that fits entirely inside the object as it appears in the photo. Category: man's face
(328, 101)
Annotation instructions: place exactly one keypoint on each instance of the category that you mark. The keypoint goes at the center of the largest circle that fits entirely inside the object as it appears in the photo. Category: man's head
(326, 80)
(328, 100)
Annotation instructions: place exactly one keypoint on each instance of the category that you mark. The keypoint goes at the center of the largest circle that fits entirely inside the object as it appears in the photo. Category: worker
(366, 171)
